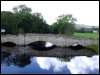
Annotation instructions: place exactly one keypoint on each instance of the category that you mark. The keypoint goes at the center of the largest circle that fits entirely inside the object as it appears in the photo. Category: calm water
(15, 61)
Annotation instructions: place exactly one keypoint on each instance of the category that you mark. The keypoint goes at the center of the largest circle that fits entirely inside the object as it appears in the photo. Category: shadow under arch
(41, 45)
(8, 44)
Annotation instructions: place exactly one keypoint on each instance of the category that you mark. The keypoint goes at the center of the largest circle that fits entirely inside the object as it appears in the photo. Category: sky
(86, 12)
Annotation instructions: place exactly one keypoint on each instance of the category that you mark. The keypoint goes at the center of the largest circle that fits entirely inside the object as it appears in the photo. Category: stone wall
(58, 40)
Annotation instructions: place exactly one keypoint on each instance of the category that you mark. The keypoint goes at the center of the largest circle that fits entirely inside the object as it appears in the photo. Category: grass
(86, 35)
(94, 47)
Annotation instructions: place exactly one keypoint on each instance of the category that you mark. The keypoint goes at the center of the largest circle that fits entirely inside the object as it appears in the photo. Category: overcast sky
(86, 12)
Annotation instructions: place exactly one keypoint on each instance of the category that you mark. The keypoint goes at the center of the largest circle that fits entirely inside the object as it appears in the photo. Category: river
(17, 61)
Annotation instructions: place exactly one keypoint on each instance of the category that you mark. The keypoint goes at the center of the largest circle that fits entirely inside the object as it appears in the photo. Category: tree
(55, 28)
(30, 23)
(39, 24)
(64, 25)
(7, 21)
(22, 9)
(23, 20)
(82, 30)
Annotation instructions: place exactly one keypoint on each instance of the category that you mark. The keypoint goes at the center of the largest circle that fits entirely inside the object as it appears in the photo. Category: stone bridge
(58, 40)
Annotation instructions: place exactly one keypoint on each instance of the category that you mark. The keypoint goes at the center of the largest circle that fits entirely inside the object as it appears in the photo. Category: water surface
(18, 61)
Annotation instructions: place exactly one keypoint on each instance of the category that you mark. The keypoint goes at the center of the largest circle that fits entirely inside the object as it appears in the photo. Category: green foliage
(86, 35)
(94, 47)
(22, 9)
(20, 30)
(7, 21)
(64, 25)
(22, 20)
(84, 30)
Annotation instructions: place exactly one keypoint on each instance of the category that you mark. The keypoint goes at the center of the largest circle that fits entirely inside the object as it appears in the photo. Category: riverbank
(86, 35)
(95, 47)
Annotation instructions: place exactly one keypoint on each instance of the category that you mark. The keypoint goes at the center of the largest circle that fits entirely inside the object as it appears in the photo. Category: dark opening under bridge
(58, 40)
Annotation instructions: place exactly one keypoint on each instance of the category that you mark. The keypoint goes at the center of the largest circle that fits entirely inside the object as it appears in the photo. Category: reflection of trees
(66, 59)
(4, 55)
(20, 60)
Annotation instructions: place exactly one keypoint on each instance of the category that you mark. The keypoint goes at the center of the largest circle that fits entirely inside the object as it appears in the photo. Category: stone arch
(41, 45)
(40, 41)
(8, 44)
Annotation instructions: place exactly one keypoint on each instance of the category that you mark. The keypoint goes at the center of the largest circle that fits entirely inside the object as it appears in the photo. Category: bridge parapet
(58, 40)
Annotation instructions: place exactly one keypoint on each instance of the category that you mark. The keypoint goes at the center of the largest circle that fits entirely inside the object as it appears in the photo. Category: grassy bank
(89, 35)
(86, 35)
(94, 47)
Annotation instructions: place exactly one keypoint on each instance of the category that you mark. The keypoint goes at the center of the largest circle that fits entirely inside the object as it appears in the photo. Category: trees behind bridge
(64, 25)
(21, 20)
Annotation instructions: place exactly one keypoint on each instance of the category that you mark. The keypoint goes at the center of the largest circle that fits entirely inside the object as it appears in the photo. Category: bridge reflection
(56, 52)
(20, 60)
